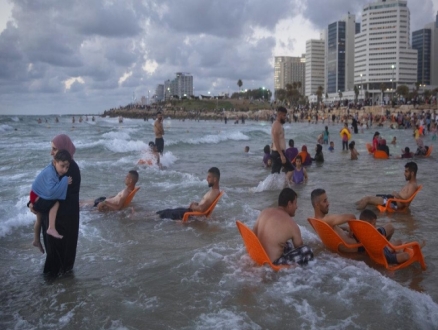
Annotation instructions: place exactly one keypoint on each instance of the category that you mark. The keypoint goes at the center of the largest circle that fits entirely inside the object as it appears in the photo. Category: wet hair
(246, 148)
(412, 167)
(375, 134)
(215, 171)
(134, 175)
(331, 142)
(158, 113)
(367, 215)
(286, 195)
(318, 148)
(282, 109)
(315, 195)
(267, 149)
(151, 144)
(291, 143)
(407, 150)
(351, 146)
(62, 156)
(326, 127)
(299, 157)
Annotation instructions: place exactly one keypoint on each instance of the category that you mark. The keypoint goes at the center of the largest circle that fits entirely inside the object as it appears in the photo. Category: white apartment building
(182, 86)
(382, 48)
(315, 63)
(290, 69)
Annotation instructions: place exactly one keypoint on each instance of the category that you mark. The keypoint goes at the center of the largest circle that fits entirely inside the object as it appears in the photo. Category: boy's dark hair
(315, 194)
(299, 157)
(286, 195)
(134, 175)
(267, 149)
(158, 113)
(282, 109)
(62, 156)
(215, 171)
(291, 143)
(412, 167)
(367, 215)
(351, 146)
(151, 144)
(407, 150)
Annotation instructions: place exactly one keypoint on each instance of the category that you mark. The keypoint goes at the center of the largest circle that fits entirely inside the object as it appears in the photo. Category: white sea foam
(272, 182)
(225, 319)
(212, 138)
(5, 128)
(16, 119)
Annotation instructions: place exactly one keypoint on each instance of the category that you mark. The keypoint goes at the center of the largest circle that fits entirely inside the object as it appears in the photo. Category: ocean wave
(272, 182)
(212, 139)
(5, 128)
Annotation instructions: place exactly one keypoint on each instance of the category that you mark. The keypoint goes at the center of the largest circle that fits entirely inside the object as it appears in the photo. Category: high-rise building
(159, 92)
(290, 69)
(382, 49)
(315, 63)
(339, 51)
(183, 84)
(425, 41)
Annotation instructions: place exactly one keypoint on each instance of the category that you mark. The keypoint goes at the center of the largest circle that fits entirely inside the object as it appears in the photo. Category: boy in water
(353, 151)
(47, 189)
(332, 146)
(115, 203)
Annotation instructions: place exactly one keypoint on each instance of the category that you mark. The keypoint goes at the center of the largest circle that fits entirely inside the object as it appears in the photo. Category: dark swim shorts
(277, 164)
(174, 214)
(98, 200)
(385, 200)
(290, 256)
(44, 205)
(391, 257)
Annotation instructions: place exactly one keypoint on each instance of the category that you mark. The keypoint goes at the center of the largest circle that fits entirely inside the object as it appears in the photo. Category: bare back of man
(274, 228)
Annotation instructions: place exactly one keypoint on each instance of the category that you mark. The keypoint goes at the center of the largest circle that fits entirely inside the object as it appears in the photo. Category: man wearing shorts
(159, 132)
(278, 156)
(407, 191)
(275, 227)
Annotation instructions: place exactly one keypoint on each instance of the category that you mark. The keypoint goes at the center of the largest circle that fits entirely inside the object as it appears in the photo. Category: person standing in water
(278, 156)
(159, 132)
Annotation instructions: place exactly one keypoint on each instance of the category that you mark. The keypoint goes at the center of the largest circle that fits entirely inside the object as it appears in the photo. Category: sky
(87, 56)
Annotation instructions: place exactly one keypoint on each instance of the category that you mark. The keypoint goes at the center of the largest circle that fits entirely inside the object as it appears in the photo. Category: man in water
(275, 227)
(159, 132)
(213, 177)
(321, 205)
(278, 156)
(115, 203)
(407, 191)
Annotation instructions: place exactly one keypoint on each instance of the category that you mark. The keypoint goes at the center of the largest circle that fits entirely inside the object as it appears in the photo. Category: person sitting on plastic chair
(213, 177)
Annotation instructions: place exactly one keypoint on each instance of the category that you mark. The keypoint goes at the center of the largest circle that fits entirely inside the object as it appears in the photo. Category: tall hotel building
(287, 70)
(339, 49)
(315, 63)
(182, 85)
(382, 51)
(425, 41)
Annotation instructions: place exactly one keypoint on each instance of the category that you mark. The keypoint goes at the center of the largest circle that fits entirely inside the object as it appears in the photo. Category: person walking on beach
(278, 156)
(159, 132)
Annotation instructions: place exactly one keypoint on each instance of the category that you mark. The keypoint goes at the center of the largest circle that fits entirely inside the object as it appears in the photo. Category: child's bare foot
(54, 233)
(38, 245)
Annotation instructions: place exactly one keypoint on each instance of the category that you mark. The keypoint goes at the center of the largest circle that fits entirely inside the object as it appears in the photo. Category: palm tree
(239, 83)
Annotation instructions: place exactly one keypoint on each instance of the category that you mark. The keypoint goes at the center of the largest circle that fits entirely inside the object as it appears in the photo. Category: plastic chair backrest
(328, 236)
(369, 148)
(130, 197)
(207, 212)
(429, 151)
(388, 208)
(255, 248)
(374, 243)
(380, 154)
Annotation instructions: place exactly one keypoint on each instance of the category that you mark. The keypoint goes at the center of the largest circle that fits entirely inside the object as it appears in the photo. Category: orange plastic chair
(329, 237)
(207, 213)
(369, 148)
(387, 206)
(130, 197)
(374, 243)
(380, 154)
(255, 248)
(429, 151)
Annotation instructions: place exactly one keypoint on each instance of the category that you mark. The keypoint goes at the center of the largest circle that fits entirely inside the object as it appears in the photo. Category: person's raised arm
(295, 234)
(338, 219)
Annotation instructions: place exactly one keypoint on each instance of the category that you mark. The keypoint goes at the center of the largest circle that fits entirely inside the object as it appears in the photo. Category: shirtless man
(213, 177)
(275, 227)
(159, 132)
(115, 203)
(406, 192)
(278, 156)
(321, 205)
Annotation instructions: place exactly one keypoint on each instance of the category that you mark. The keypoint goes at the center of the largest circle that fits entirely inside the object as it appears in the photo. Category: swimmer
(299, 174)
(279, 234)
(406, 153)
(246, 149)
(353, 151)
(332, 146)
(267, 162)
(394, 141)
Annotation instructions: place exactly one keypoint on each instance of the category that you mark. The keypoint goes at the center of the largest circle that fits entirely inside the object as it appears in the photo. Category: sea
(135, 271)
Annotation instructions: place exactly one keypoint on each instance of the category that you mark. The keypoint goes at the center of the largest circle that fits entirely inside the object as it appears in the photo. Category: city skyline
(88, 56)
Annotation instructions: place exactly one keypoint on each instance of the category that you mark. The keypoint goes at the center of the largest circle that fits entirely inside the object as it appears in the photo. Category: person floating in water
(49, 187)
(116, 203)
(279, 234)
(213, 177)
